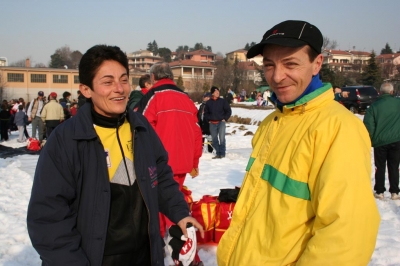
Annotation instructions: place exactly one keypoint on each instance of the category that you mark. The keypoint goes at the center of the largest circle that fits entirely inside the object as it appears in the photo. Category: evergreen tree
(165, 53)
(153, 47)
(179, 83)
(372, 74)
(150, 47)
(387, 49)
(56, 61)
(198, 46)
(247, 47)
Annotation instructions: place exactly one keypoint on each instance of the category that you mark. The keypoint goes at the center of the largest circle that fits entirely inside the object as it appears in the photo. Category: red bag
(223, 219)
(33, 144)
(204, 211)
(187, 193)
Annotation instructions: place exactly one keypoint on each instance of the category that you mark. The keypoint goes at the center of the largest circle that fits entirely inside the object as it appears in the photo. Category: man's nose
(279, 73)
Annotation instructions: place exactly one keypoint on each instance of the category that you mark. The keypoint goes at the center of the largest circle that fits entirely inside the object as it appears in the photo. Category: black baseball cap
(291, 33)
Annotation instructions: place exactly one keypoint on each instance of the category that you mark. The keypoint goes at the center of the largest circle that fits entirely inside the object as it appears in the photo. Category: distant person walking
(217, 112)
(382, 120)
(19, 120)
(34, 110)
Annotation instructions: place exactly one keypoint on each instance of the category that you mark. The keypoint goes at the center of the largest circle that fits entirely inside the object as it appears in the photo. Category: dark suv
(360, 98)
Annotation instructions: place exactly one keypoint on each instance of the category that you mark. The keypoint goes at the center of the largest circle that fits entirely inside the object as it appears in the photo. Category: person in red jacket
(173, 116)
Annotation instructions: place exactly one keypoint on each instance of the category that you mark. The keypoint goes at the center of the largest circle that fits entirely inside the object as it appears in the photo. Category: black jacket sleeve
(52, 216)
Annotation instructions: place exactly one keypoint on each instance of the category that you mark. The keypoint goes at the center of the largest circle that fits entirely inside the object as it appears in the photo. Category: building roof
(238, 51)
(342, 52)
(248, 65)
(388, 56)
(336, 52)
(360, 53)
(40, 69)
(200, 52)
(183, 63)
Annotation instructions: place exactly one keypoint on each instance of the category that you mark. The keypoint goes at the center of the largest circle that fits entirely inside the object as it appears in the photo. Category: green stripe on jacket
(282, 182)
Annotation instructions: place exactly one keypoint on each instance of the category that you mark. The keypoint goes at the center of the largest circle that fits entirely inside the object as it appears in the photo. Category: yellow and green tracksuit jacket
(306, 198)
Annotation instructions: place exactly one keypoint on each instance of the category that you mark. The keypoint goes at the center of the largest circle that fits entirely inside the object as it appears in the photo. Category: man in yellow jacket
(306, 198)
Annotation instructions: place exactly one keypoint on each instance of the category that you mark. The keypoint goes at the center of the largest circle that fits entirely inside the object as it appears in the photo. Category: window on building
(15, 77)
(60, 78)
(76, 79)
(38, 78)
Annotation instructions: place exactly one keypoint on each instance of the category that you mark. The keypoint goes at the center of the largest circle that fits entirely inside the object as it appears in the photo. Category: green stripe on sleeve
(250, 163)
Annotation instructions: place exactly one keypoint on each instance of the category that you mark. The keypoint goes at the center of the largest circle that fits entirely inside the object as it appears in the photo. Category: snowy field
(16, 176)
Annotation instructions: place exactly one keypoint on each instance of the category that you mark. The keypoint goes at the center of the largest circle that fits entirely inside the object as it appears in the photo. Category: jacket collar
(82, 123)
(163, 82)
(310, 101)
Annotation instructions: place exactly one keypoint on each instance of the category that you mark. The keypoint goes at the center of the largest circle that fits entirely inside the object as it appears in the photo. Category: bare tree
(328, 43)
(63, 56)
(19, 63)
(223, 76)
(40, 65)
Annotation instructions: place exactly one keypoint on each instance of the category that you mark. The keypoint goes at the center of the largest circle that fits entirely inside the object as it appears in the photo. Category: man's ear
(318, 64)
(85, 90)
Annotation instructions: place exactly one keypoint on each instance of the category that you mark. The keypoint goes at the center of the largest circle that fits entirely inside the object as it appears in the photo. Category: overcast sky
(36, 28)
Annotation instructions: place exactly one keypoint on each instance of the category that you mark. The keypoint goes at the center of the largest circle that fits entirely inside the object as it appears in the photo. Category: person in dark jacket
(382, 121)
(205, 127)
(5, 116)
(66, 104)
(103, 177)
(217, 112)
(81, 99)
(173, 116)
(137, 94)
(229, 96)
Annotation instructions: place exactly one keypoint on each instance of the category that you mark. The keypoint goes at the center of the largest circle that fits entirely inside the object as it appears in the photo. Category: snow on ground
(16, 175)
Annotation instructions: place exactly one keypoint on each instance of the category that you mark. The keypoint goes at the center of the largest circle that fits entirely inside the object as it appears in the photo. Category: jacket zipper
(145, 204)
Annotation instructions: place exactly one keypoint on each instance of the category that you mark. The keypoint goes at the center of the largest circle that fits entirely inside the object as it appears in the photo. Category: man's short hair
(386, 88)
(161, 70)
(143, 79)
(94, 57)
(66, 94)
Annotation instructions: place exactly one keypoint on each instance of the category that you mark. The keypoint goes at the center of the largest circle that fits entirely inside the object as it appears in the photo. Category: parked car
(360, 98)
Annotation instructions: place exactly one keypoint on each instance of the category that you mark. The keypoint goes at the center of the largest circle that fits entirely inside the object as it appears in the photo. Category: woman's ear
(85, 90)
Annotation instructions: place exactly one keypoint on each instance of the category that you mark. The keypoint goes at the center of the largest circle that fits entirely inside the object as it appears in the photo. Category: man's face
(110, 89)
(148, 85)
(288, 70)
(216, 94)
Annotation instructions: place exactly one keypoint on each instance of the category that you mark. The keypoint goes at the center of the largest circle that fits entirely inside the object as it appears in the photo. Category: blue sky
(36, 28)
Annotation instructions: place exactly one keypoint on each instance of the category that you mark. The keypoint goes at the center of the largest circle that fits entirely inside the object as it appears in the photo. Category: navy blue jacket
(68, 211)
(217, 110)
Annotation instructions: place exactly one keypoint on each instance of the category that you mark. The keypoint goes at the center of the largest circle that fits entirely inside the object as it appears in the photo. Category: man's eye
(291, 64)
(124, 81)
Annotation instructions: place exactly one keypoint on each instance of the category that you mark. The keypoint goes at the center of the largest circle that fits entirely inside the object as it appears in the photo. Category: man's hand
(29, 118)
(182, 224)
(194, 172)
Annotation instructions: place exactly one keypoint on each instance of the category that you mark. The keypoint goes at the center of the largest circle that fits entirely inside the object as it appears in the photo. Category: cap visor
(255, 50)
(289, 42)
